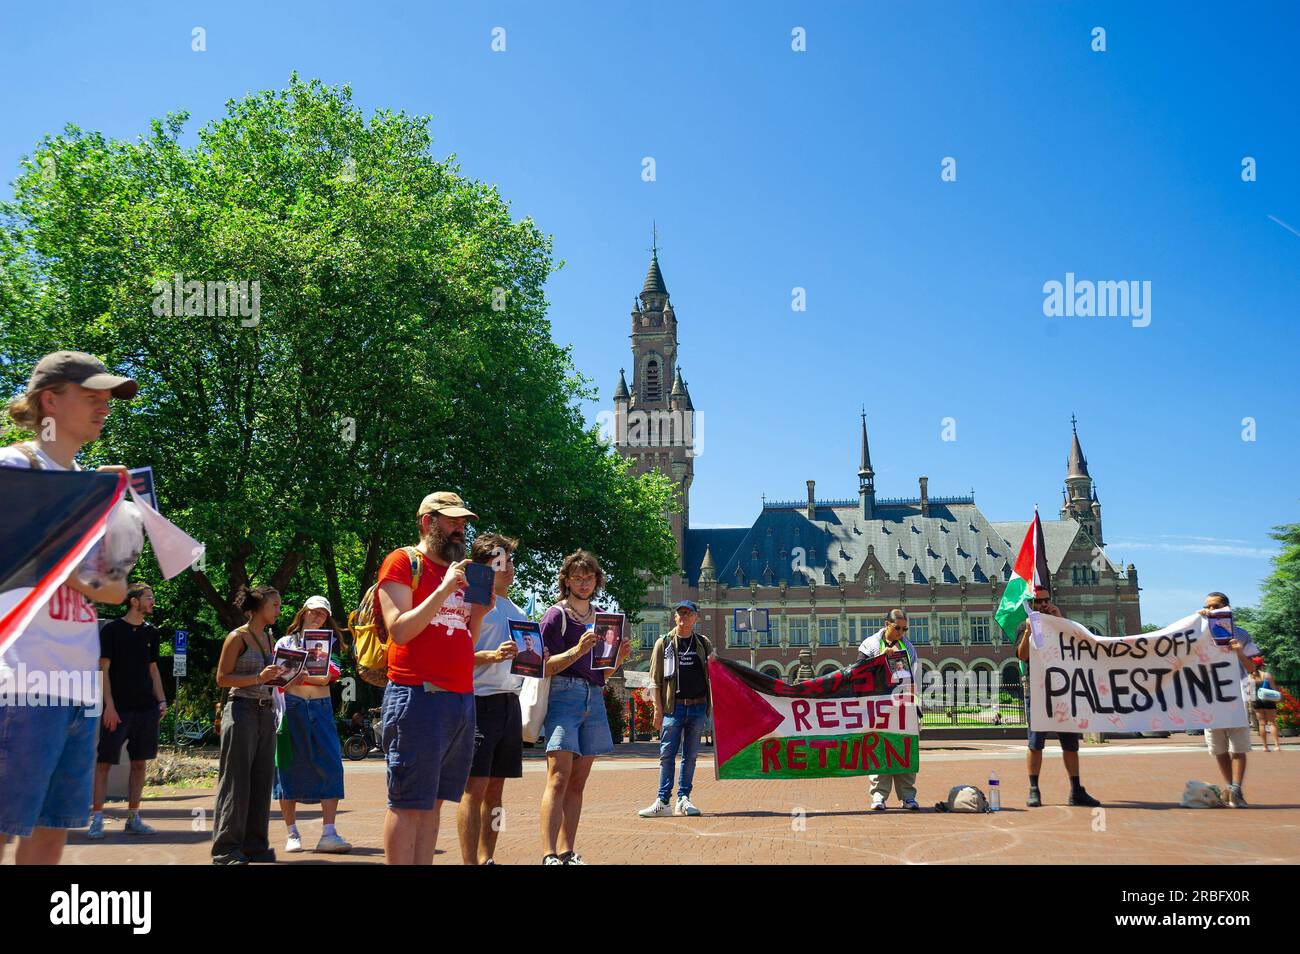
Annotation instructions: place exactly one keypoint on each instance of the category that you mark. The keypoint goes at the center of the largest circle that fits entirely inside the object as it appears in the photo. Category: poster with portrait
(528, 661)
(609, 637)
(317, 644)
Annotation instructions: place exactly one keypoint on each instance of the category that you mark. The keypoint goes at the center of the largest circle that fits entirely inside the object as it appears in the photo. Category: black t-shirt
(691, 683)
(130, 650)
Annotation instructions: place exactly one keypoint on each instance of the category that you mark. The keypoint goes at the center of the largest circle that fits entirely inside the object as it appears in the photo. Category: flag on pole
(1029, 572)
(63, 515)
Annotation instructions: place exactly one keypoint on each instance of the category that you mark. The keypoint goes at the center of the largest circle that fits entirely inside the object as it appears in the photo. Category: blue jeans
(47, 766)
(681, 730)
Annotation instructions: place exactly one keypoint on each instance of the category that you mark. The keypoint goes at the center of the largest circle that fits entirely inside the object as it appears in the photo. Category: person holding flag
(1030, 575)
(48, 623)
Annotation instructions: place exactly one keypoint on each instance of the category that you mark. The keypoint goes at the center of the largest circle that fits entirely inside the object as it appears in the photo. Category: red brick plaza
(821, 821)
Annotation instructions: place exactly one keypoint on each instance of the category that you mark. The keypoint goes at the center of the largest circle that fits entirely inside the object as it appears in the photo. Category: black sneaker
(234, 858)
(1035, 800)
(266, 857)
(1083, 799)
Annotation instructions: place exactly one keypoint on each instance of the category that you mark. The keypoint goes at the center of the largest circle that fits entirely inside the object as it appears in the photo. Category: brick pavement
(822, 821)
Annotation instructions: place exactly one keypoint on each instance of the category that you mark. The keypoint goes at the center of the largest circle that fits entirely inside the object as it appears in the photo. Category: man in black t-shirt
(134, 704)
(680, 676)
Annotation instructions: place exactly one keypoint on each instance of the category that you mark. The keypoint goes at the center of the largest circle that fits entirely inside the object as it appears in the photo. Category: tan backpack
(370, 635)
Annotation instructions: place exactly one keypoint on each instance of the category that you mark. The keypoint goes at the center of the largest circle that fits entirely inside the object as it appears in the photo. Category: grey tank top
(249, 663)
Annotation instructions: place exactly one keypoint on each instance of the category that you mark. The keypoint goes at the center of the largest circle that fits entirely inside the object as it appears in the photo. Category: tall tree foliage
(1275, 624)
(400, 344)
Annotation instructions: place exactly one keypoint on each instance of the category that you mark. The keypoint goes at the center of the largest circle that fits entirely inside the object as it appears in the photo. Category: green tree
(383, 334)
(1275, 624)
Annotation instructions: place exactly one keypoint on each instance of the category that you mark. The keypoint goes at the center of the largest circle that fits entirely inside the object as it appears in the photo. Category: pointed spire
(677, 390)
(708, 572)
(654, 278)
(864, 467)
(1077, 465)
(621, 393)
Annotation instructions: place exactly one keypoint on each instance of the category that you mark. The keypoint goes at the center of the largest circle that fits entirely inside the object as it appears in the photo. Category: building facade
(828, 570)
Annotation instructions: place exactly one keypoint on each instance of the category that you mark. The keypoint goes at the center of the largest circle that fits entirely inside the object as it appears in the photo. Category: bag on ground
(1201, 795)
(964, 798)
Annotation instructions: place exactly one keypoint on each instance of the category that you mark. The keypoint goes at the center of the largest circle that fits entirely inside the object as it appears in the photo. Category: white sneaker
(657, 810)
(684, 807)
(333, 845)
(293, 844)
(877, 804)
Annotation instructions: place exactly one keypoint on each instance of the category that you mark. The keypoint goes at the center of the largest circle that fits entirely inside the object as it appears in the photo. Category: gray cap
(79, 368)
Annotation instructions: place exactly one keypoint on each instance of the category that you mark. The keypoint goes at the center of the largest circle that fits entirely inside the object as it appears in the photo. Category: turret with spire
(1080, 496)
(866, 476)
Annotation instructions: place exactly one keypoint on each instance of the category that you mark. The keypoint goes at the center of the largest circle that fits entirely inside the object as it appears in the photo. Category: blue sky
(821, 170)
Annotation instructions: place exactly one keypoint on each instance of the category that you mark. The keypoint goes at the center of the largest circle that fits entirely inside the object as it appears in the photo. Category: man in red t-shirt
(428, 714)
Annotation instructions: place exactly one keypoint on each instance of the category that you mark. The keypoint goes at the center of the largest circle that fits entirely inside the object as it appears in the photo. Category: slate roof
(955, 540)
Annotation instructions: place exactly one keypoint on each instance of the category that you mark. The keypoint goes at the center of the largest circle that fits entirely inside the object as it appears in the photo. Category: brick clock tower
(654, 418)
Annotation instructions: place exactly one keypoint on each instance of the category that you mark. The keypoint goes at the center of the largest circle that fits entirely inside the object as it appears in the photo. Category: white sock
(329, 830)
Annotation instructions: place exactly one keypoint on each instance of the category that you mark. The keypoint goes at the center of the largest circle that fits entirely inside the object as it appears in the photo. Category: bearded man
(428, 712)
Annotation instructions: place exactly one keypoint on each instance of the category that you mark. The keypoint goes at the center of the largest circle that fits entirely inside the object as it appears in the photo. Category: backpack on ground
(964, 798)
(370, 635)
(1201, 795)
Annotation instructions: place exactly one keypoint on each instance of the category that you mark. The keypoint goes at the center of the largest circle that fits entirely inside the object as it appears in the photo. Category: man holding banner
(1175, 679)
(49, 634)
(1229, 745)
(893, 639)
(1042, 603)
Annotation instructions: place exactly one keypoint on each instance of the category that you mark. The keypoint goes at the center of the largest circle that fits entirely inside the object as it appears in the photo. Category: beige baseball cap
(446, 503)
(79, 368)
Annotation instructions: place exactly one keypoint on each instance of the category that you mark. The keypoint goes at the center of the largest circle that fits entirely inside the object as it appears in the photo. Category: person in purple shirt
(577, 728)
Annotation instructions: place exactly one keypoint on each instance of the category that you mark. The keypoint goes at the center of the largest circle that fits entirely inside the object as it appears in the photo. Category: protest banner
(1170, 680)
(856, 721)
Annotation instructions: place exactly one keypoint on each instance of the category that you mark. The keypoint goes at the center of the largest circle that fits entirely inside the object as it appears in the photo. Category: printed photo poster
(317, 644)
(527, 635)
(609, 637)
(1171, 680)
(291, 663)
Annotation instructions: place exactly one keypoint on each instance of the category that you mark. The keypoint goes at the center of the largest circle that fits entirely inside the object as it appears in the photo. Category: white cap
(318, 602)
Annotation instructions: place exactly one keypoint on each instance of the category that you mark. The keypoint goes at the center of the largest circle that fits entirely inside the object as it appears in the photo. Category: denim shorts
(309, 768)
(428, 741)
(47, 767)
(576, 720)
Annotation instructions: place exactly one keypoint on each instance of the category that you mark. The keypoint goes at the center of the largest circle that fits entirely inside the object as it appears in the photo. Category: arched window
(654, 388)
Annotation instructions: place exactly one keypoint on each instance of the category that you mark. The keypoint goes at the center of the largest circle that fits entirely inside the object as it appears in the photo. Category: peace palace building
(829, 570)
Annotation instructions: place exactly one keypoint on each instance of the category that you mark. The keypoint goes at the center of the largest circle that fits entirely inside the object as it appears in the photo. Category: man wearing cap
(47, 752)
(679, 673)
(1042, 603)
(428, 711)
(892, 638)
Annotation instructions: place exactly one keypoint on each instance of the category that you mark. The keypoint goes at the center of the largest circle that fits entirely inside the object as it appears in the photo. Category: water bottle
(995, 793)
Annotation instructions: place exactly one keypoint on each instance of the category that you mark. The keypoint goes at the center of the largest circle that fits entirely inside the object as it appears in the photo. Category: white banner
(1171, 680)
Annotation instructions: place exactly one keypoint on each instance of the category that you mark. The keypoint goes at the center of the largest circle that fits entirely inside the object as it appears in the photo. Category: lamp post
(752, 621)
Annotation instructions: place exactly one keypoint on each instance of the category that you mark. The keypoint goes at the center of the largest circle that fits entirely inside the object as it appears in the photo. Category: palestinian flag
(851, 722)
(1029, 572)
(54, 520)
